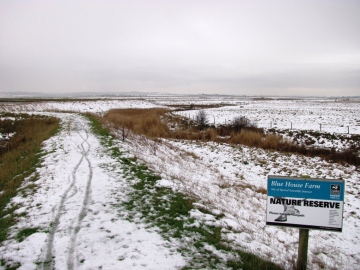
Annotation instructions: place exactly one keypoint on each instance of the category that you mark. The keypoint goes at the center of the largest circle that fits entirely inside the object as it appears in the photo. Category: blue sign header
(303, 188)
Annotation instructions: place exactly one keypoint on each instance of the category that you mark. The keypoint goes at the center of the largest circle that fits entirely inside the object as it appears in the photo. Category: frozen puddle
(75, 211)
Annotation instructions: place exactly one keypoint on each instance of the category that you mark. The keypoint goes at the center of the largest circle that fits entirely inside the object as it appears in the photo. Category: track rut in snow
(84, 207)
(75, 226)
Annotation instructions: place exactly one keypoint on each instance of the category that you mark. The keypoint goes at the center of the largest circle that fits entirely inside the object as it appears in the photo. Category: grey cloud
(180, 46)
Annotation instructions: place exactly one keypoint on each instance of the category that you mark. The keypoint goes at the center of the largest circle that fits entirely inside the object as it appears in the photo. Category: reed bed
(156, 123)
(141, 121)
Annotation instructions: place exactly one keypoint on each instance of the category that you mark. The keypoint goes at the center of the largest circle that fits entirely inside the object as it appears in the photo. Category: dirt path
(76, 212)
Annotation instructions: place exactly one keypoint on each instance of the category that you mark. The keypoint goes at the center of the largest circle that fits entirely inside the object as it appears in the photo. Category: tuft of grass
(10, 265)
(24, 233)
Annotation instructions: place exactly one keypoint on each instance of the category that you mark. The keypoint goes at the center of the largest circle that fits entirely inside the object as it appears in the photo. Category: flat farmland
(227, 184)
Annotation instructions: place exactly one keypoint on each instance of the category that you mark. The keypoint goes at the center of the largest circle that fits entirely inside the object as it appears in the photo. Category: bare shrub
(201, 119)
(240, 122)
(124, 132)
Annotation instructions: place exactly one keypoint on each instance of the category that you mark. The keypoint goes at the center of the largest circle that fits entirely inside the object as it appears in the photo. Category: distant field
(227, 181)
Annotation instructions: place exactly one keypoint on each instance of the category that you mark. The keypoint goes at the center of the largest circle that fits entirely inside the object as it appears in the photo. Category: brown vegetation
(18, 158)
(155, 123)
(140, 121)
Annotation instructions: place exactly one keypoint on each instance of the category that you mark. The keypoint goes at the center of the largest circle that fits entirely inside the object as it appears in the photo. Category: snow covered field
(79, 183)
(333, 116)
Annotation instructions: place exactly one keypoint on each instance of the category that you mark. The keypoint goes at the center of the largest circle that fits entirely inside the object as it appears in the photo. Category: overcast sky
(254, 47)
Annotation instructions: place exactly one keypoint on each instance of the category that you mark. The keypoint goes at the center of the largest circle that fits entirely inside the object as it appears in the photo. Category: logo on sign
(335, 190)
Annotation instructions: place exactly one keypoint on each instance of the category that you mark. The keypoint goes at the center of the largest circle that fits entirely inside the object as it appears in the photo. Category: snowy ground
(78, 183)
(333, 116)
(78, 186)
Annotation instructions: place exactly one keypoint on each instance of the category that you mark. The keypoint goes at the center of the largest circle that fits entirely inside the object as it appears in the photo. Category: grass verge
(169, 211)
(20, 159)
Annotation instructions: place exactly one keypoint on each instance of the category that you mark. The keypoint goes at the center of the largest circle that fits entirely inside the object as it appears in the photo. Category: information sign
(305, 203)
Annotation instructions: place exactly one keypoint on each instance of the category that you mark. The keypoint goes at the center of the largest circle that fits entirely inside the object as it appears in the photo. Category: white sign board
(305, 203)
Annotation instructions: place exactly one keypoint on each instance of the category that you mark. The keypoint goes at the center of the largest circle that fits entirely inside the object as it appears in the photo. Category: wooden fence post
(303, 249)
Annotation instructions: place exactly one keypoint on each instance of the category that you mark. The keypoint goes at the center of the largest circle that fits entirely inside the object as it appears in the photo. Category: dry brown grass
(140, 121)
(19, 152)
(19, 160)
(272, 141)
(155, 123)
(247, 137)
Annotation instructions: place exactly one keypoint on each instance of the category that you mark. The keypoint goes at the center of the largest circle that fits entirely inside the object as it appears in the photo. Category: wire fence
(284, 125)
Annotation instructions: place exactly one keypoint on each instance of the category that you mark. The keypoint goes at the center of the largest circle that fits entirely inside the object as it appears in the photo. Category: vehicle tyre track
(84, 207)
(48, 262)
